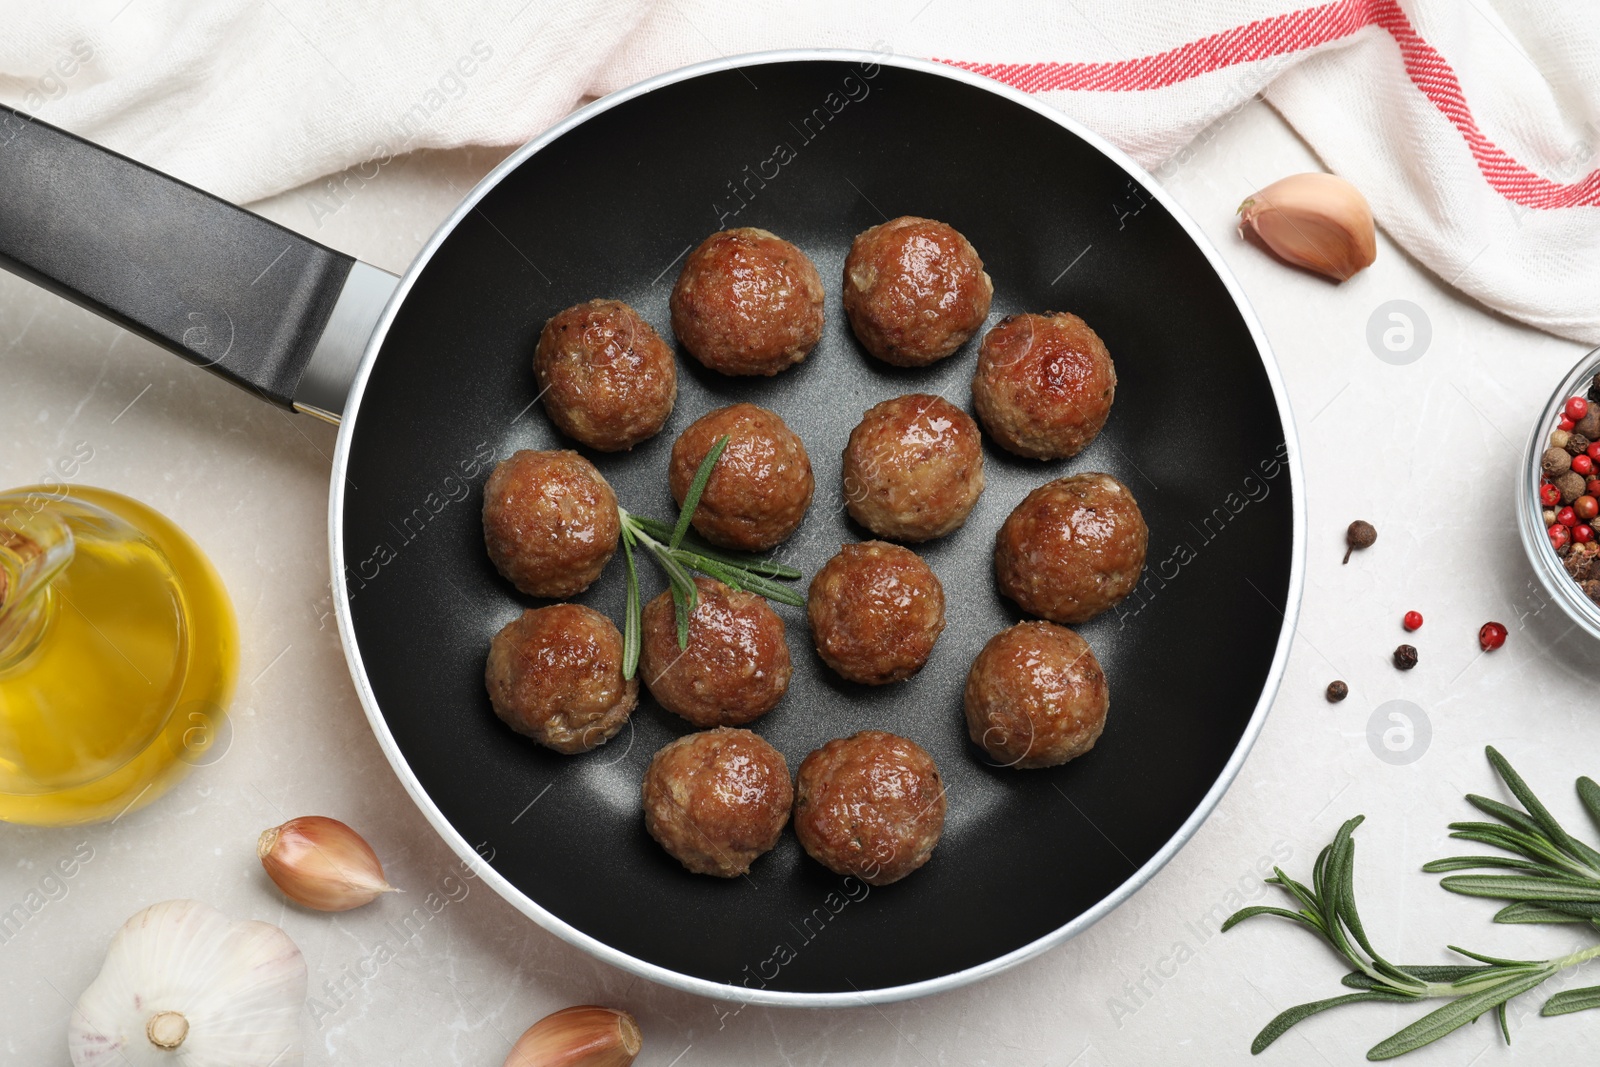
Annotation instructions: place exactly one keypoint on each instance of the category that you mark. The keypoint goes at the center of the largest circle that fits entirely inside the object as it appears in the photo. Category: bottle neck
(35, 546)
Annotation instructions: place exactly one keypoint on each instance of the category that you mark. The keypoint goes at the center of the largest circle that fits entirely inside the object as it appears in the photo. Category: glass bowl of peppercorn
(1560, 495)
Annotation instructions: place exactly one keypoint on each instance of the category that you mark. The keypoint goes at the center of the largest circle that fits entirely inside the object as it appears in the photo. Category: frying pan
(429, 377)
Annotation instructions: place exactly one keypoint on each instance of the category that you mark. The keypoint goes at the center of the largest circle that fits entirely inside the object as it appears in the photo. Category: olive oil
(118, 655)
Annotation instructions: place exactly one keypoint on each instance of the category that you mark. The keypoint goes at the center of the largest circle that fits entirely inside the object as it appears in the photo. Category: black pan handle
(224, 288)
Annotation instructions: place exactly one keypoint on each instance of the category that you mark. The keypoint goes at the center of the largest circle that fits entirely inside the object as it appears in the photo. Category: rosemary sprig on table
(679, 554)
(1558, 881)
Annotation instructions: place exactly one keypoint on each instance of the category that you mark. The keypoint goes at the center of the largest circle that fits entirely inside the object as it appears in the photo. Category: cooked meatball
(550, 522)
(1036, 696)
(555, 674)
(736, 667)
(875, 610)
(747, 302)
(1044, 385)
(913, 468)
(914, 290)
(607, 379)
(760, 488)
(1073, 548)
(717, 800)
(869, 805)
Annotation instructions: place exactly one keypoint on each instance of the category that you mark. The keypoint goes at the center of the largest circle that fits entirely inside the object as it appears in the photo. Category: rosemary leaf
(1427, 972)
(1280, 1025)
(1589, 793)
(1454, 1015)
(1528, 911)
(631, 620)
(1505, 813)
(691, 499)
(1465, 863)
(1518, 887)
(1557, 833)
(1570, 1000)
(682, 610)
(1262, 909)
(1493, 961)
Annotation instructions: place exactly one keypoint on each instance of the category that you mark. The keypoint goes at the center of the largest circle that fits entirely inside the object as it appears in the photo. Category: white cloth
(1470, 125)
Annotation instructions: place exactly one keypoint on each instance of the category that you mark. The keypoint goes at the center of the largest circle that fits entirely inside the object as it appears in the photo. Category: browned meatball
(875, 610)
(736, 667)
(760, 488)
(913, 468)
(747, 302)
(1036, 696)
(1073, 548)
(717, 800)
(914, 290)
(1044, 385)
(869, 805)
(555, 674)
(607, 379)
(550, 522)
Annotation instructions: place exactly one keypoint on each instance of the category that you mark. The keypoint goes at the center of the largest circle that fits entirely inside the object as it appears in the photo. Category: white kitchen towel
(1471, 125)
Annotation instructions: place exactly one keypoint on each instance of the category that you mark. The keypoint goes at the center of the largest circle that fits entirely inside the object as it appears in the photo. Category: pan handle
(224, 288)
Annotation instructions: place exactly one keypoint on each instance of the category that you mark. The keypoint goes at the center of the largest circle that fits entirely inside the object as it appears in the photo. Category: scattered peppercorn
(1491, 635)
(1412, 621)
(1337, 691)
(1361, 535)
(1405, 657)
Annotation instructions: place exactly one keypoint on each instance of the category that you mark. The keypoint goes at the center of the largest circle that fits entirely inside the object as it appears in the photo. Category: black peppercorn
(1337, 691)
(1405, 657)
(1576, 443)
(1359, 535)
(1594, 390)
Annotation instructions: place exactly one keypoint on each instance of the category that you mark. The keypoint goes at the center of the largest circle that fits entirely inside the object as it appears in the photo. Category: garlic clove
(1317, 221)
(322, 864)
(582, 1036)
(184, 985)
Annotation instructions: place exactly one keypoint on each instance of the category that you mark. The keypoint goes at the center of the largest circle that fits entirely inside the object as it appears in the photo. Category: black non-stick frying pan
(433, 380)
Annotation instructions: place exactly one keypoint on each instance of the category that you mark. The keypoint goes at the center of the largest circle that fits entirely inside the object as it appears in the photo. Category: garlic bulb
(322, 863)
(584, 1036)
(1317, 221)
(184, 985)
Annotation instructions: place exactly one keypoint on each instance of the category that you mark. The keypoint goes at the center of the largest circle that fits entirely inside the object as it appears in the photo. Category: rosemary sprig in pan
(679, 554)
(1556, 878)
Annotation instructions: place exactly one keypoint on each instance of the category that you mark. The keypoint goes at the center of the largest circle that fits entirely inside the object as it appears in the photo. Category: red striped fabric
(1295, 32)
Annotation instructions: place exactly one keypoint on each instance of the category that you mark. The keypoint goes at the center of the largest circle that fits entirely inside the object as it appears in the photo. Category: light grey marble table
(1426, 451)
